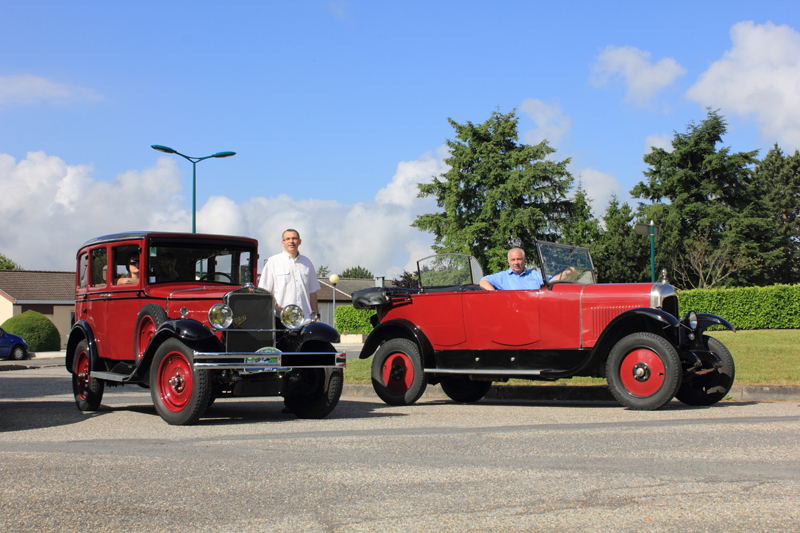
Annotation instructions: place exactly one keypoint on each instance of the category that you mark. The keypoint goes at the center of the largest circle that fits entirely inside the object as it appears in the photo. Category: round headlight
(220, 316)
(292, 316)
(692, 320)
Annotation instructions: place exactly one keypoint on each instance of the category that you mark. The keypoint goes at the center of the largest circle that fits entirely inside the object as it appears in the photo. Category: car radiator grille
(250, 311)
(670, 305)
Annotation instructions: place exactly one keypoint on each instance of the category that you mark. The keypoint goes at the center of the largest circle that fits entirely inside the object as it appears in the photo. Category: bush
(353, 321)
(37, 330)
(773, 307)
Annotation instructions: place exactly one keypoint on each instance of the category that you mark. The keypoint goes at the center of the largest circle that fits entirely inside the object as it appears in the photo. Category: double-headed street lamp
(194, 160)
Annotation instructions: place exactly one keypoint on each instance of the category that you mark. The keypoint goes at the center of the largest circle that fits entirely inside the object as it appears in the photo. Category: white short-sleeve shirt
(290, 280)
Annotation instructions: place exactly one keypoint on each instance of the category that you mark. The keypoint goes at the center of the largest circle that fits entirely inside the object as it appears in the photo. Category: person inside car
(166, 268)
(516, 277)
(133, 271)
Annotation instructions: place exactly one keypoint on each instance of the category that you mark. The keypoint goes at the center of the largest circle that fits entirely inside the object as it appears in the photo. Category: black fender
(705, 320)
(293, 340)
(650, 319)
(81, 330)
(392, 329)
(191, 332)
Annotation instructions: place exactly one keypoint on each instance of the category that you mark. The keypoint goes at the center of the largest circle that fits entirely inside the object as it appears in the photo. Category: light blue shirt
(508, 280)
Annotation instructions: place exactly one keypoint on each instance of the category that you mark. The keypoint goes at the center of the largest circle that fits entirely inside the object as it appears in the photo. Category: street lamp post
(194, 160)
(334, 279)
(652, 230)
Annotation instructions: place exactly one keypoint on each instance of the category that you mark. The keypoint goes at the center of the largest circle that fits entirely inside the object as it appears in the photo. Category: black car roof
(133, 235)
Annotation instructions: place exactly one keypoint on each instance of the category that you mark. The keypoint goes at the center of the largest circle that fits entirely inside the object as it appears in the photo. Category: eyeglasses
(134, 262)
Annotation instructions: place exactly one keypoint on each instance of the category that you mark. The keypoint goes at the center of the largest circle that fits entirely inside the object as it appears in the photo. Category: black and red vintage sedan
(178, 313)
(452, 332)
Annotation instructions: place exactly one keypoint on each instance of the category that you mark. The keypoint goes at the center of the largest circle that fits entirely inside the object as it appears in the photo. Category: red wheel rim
(650, 370)
(175, 381)
(398, 373)
(147, 328)
(82, 375)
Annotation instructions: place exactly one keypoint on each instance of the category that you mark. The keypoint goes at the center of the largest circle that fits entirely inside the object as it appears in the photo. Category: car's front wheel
(87, 390)
(398, 375)
(18, 353)
(714, 385)
(315, 394)
(463, 389)
(643, 371)
(180, 393)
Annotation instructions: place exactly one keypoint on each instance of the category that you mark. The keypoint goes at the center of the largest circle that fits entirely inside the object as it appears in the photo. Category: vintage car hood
(627, 294)
(190, 291)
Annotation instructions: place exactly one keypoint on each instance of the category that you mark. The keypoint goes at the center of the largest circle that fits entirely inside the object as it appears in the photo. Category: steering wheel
(207, 278)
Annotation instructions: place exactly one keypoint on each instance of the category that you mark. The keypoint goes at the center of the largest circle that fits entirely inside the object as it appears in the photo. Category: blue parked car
(12, 346)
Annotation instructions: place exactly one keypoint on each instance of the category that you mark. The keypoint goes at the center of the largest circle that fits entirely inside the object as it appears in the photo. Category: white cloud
(642, 77)
(551, 123)
(758, 77)
(51, 208)
(659, 141)
(28, 89)
(599, 187)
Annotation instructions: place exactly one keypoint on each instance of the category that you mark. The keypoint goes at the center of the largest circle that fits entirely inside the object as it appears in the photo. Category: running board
(484, 372)
(110, 376)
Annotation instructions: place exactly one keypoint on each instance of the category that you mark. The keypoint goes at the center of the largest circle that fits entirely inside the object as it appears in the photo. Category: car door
(5, 344)
(500, 319)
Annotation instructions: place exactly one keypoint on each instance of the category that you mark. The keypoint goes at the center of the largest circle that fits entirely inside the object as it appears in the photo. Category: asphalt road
(499, 465)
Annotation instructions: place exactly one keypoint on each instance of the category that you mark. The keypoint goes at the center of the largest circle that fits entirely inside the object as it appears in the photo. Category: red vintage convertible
(452, 332)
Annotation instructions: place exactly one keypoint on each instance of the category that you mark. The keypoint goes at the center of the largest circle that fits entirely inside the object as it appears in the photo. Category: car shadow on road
(26, 415)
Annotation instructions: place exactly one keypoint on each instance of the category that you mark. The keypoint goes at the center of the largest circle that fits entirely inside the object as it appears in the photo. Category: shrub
(37, 330)
(773, 307)
(353, 321)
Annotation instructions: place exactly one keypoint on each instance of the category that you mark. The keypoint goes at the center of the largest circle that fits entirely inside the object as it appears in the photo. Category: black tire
(464, 390)
(712, 387)
(88, 391)
(18, 353)
(180, 393)
(643, 371)
(151, 316)
(398, 375)
(316, 394)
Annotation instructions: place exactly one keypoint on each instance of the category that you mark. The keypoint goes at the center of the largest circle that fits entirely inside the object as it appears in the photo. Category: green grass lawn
(762, 357)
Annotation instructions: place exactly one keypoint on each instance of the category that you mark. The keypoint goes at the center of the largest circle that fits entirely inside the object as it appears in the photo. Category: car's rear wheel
(180, 393)
(711, 387)
(643, 371)
(87, 390)
(151, 316)
(464, 390)
(18, 353)
(397, 373)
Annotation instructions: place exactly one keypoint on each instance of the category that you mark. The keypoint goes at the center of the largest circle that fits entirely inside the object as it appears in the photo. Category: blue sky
(338, 109)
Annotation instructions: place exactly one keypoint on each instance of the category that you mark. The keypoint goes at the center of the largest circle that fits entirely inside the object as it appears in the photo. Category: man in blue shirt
(516, 277)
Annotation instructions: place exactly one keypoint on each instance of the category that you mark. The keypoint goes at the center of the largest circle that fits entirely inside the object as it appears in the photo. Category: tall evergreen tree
(620, 255)
(580, 228)
(497, 194)
(356, 272)
(776, 185)
(700, 197)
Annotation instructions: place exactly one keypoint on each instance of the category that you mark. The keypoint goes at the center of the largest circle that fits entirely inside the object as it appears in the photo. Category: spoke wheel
(713, 385)
(180, 393)
(643, 371)
(397, 372)
(88, 391)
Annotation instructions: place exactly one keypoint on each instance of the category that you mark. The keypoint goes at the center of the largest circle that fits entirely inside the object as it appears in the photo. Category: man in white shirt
(291, 278)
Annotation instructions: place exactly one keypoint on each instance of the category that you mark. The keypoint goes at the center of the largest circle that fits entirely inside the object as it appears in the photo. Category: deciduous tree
(8, 264)
(356, 272)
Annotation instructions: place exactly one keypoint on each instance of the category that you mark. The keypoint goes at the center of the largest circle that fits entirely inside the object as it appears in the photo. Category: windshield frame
(584, 256)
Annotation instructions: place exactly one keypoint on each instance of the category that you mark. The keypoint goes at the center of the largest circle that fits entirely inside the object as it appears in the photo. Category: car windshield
(228, 263)
(563, 263)
(448, 270)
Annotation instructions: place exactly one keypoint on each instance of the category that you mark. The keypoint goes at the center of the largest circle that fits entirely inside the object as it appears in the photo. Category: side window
(125, 265)
(83, 264)
(99, 267)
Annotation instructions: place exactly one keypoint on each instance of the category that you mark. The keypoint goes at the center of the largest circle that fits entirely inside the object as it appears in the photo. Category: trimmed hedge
(353, 321)
(37, 330)
(773, 307)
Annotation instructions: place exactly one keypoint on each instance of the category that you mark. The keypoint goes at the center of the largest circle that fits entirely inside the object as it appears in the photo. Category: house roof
(38, 285)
